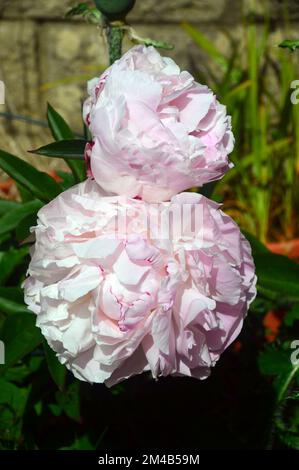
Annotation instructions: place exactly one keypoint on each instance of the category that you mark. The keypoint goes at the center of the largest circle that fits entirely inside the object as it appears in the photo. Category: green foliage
(6, 206)
(92, 15)
(13, 401)
(261, 190)
(10, 260)
(61, 131)
(63, 149)
(10, 307)
(20, 337)
(14, 217)
(69, 401)
(24, 356)
(292, 315)
(41, 185)
(277, 363)
(58, 126)
(205, 44)
(278, 274)
(57, 370)
(290, 44)
(79, 9)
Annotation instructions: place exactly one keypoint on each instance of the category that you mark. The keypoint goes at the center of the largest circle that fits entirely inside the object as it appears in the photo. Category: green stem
(115, 36)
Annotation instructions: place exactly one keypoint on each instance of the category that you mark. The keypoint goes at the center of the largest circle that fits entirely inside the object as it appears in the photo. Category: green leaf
(63, 149)
(57, 370)
(10, 260)
(152, 42)
(12, 293)
(55, 409)
(78, 169)
(278, 274)
(9, 307)
(38, 183)
(289, 44)
(20, 337)
(273, 362)
(11, 220)
(204, 43)
(208, 189)
(69, 401)
(62, 131)
(38, 407)
(290, 439)
(292, 316)
(21, 372)
(278, 363)
(23, 229)
(79, 9)
(92, 15)
(256, 245)
(13, 401)
(68, 179)
(25, 195)
(6, 206)
(283, 381)
(58, 126)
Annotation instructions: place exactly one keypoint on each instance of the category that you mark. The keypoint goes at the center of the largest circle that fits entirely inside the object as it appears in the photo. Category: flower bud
(115, 9)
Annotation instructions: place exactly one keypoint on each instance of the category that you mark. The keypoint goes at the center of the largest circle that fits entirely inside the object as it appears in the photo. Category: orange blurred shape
(6, 185)
(271, 322)
(55, 177)
(236, 347)
(288, 248)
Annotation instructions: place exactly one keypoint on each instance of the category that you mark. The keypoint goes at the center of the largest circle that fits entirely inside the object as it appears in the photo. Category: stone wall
(46, 58)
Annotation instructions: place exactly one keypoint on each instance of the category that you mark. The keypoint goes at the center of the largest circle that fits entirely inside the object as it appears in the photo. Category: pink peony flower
(156, 132)
(115, 296)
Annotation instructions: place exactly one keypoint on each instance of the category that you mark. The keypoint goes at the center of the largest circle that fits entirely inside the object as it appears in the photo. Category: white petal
(76, 287)
(128, 272)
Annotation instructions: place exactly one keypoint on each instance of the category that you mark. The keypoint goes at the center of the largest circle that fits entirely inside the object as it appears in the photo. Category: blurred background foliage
(254, 82)
(251, 400)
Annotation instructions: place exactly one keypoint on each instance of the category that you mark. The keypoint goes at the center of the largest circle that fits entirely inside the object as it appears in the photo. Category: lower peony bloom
(115, 295)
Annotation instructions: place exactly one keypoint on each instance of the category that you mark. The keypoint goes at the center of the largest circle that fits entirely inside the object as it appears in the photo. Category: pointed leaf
(58, 126)
(61, 131)
(38, 183)
(63, 149)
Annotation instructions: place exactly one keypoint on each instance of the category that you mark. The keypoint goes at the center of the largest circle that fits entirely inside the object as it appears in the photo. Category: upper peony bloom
(156, 132)
(115, 296)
